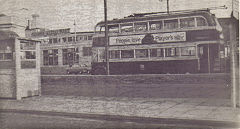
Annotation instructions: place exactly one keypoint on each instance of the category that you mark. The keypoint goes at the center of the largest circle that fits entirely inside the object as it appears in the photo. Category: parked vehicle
(78, 69)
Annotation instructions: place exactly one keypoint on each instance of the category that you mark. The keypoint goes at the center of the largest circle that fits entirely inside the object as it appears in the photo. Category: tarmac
(202, 111)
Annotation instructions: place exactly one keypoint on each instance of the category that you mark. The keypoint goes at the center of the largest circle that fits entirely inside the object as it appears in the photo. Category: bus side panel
(154, 67)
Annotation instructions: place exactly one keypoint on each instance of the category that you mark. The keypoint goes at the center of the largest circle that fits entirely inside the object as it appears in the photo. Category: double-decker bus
(154, 43)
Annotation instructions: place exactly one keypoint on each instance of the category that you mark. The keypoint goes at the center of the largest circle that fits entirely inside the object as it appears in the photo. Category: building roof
(7, 34)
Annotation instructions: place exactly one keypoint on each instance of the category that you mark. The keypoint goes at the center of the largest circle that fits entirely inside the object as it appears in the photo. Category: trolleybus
(178, 42)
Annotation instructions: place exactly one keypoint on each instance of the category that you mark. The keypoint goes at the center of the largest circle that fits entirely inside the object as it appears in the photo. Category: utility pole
(75, 35)
(232, 28)
(106, 36)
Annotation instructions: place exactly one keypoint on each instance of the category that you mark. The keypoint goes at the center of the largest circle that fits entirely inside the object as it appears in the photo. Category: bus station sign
(148, 38)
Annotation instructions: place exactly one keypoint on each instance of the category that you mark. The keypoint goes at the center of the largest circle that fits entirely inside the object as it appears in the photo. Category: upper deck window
(171, 24)
(187, 22)
(100, 29)
(113, 28)
(155, 25)
(127, 27)
(141, 26)
(201, 21)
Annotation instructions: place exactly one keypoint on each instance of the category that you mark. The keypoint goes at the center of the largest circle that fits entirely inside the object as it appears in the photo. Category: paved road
(83, 86)
(36, 121)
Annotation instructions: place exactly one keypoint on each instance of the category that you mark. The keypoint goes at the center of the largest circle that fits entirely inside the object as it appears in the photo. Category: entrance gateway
(19, 66)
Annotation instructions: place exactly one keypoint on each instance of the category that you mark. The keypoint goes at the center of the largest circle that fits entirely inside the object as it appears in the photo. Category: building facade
(61, 49)
(11, 23)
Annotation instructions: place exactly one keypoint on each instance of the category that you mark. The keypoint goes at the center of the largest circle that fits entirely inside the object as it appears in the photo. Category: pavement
(210, 112)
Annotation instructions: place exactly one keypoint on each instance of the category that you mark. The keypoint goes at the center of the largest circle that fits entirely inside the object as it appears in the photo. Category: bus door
(207, 54)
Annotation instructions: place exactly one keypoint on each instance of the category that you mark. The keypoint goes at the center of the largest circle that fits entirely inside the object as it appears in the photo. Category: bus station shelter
(19, 66)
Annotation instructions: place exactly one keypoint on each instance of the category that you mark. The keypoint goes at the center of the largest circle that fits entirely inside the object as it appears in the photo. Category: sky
(58, 14)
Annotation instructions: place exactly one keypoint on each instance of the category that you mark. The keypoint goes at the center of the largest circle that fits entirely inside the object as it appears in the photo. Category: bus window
(188, 51)
(158, 52)
(142, 26)
(127, 54)
(100, 29)
(170, 52)
(171, 24)
(127, 27)
(187, 22)
(113, 28)
(141, 53)
(114, 54)
(155, 25)
(201, 21)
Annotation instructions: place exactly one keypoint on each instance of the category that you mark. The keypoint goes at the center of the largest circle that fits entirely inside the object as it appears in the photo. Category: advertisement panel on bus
(148, 38)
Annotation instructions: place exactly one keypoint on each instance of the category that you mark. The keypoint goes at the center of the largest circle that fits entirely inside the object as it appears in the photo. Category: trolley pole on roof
(106, 37)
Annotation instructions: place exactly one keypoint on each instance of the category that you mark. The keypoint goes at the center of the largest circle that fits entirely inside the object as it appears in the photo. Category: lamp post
(106, 37)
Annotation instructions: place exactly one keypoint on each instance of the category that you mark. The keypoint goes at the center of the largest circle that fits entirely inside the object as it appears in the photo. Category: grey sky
(55, 14)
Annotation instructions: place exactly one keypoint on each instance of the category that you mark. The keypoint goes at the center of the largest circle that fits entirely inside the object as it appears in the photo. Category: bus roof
(161, 15)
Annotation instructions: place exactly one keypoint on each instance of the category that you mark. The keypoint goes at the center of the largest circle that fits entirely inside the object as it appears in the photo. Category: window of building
(170, 52)
(127, 54)
(50, 57)
(201, 21)
(87, 51)
(127, 27)
(6, 56)
(55, 40)
(156, 52)
(28, 55)
(50, 41)
(141, 26)
(64, 39)
(114, 54)
(79, 37)
(171, 24)
(70, 39)
(141, 53)
(187, 22)
(70, 56)
(155, 25)
(90, 37)
(113, 28)
(85, 37)
(188, 51)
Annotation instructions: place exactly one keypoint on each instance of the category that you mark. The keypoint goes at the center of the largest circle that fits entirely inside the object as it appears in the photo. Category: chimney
(35, 21)
(28, 25)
